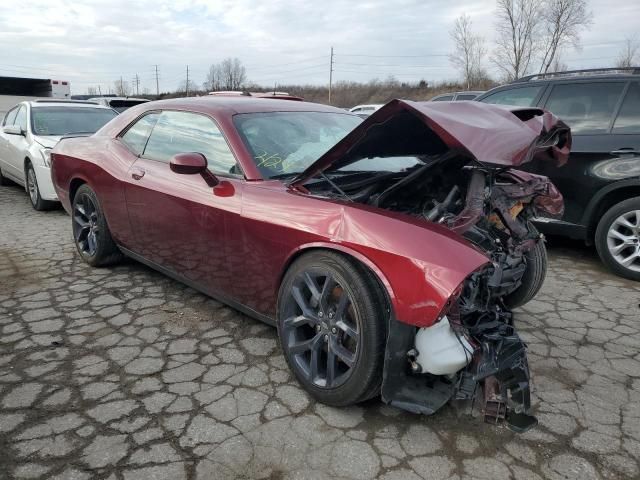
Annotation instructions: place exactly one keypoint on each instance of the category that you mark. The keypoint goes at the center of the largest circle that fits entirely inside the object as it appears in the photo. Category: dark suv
(601, 181)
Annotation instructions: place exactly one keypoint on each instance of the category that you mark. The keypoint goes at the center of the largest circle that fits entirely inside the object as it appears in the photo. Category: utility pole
(330, 74)
(157, 82)
(136, 81)
(187, 84)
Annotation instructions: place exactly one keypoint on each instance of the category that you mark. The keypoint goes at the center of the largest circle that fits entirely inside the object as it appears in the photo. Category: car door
(179, 221)
(589, 108)
(4, 142)
(17, 146)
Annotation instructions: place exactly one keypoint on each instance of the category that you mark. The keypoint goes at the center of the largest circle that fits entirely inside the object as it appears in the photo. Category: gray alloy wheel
(623, 240)
(31, 185)
(90, 230)
(321, 328)
(332, 321)
(617, 238)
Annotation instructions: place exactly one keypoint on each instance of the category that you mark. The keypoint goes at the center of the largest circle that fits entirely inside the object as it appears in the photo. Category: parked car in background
(31, 129)
(363, 111)
(601, 181)
(119, 104)
(456, 96)
(366, 242)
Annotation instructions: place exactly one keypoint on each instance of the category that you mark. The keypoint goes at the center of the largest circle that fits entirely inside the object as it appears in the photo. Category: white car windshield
(67, 120)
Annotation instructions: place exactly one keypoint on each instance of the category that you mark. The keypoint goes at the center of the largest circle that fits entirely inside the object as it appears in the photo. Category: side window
(136, 136)
(443, 98)
(628, 120)
(10, 117)
(586, 107)
(466, 96)
(21, 119)
(521, 97)
(180, 132)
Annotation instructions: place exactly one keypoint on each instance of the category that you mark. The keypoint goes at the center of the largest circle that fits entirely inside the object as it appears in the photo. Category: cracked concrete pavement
(122, 373)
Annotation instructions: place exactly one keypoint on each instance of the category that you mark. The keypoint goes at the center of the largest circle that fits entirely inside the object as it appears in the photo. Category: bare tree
(628, 56)
(232, 74)
(121, 88)
(182, 87)
(213, 81)
(469, 49)
(92, 91)
(562, 22)
(518, 27)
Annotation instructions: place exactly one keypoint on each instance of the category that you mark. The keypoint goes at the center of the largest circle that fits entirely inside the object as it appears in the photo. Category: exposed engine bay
(474, 350)
(490, 207)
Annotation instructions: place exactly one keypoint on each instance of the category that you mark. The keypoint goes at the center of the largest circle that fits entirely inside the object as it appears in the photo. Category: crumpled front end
(473, 353)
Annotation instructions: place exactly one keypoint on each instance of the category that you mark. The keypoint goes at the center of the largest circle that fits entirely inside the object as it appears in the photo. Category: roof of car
(586, 74)
(110, 99)
(64, 103)
(240, 104)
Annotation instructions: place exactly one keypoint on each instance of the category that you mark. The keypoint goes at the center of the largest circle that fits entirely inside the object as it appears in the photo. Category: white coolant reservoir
(440, 351)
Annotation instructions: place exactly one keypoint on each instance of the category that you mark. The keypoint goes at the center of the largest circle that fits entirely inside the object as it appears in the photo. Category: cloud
(94, 42)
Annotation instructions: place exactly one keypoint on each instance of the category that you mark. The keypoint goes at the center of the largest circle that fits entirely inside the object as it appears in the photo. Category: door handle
(137, 173)
(624, 151)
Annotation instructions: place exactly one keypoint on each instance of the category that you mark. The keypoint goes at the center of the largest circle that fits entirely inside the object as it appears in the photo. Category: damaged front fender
(497, 374)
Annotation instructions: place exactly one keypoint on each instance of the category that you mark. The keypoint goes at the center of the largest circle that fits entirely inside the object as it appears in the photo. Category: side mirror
(12, 130)
(192, 163)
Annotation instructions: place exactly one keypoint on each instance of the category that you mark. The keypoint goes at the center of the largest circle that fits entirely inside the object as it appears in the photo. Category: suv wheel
(618, 238)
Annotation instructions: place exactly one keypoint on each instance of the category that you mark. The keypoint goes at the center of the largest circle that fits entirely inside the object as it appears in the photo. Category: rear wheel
(31, 184)
(332, 328)
(90, 230)
(618, 238)
(533, 276)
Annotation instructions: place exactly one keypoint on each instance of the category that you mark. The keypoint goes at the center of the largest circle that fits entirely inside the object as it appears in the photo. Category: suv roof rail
(577, 73)
(60, 100)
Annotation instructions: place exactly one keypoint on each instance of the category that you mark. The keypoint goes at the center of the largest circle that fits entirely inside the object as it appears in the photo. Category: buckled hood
(492, 134)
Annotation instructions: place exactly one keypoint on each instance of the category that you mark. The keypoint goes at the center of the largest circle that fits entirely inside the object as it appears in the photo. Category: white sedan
(31, 129)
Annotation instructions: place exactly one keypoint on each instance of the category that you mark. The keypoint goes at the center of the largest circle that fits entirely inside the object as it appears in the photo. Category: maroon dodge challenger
(388, 252)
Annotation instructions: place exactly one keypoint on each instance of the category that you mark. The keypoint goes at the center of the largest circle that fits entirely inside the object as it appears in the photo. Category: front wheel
(533, 276)
(90, 230)
(34, 192)
(332, 328)
(618, 238)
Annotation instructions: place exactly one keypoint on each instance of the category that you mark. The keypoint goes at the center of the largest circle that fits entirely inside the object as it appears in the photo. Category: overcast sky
(94, 42)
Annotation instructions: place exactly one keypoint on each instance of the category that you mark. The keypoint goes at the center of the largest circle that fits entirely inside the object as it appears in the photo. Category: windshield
(66, 120)
(286, 143)
(121, 105)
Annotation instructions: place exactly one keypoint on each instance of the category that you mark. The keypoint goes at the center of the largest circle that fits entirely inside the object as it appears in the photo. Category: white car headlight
(46, 156)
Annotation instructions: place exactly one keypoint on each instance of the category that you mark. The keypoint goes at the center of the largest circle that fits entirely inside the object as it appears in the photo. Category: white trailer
(14, 90)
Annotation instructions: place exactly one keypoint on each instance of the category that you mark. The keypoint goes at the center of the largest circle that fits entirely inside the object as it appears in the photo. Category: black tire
(91, 233)
(4, 181)
(31, 186)
(604, 242)
(366, 313)
(533, 277)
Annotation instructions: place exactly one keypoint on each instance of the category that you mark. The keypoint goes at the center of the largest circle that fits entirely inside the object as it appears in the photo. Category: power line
(391, 65)
(394, 56)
